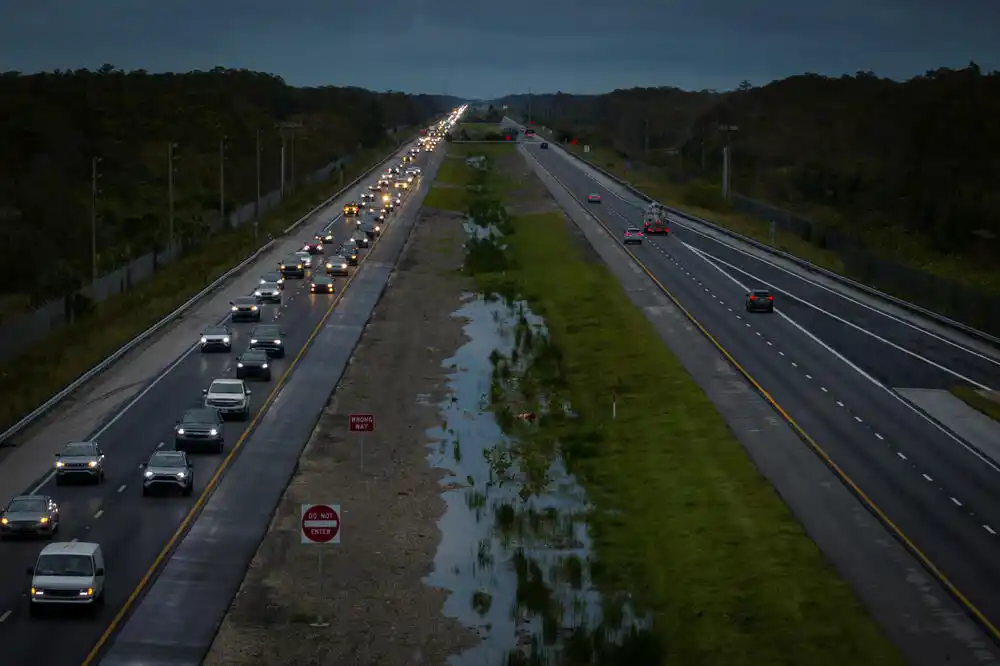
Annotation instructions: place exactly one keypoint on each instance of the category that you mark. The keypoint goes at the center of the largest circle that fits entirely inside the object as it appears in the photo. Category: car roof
(70, 548)
(80, 442)
(168, 454)
(223, 380)
(761, 291)
(244, 299)
(198, 412)
(290, 259)
(269, 283)
(633, 229)
(254, 352)
(271, 272)
(216, 327)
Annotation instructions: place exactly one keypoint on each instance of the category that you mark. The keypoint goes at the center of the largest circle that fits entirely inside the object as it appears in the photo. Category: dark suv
(268, 338)
(292, 267)
(760, 300)
(200, 428)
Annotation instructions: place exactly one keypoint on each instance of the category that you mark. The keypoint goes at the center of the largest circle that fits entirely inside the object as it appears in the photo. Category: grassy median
(983, 403)
(682, 518)
(41, 370)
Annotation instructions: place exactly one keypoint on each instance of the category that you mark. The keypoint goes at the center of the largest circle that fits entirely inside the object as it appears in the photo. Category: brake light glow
(770, 298)
(753, 298)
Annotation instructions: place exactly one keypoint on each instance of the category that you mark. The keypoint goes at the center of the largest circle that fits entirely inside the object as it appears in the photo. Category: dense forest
(881, 157)
(65, 132)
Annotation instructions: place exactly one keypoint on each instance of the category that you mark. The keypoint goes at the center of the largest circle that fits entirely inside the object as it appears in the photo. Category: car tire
(145, 492)
(267, 377)
(187, 491)
(100, 478)
(245, 416)
(221, 447)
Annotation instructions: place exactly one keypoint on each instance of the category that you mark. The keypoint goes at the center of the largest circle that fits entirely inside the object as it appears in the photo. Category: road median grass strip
(990, 406)
(682, 518)
(39, 372)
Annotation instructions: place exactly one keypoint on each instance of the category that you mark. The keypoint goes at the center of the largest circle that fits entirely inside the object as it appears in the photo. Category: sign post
(773, 231)
(320, 525)
(362, 423)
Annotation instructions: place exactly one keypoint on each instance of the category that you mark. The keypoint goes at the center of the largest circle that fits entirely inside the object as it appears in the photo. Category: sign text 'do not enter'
(320, 523)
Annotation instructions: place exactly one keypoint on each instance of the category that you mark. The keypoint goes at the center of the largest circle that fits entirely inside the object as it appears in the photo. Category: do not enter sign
(320, 523)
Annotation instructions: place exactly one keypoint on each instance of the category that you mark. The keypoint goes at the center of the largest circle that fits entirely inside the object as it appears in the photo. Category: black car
(545, 146)
(245, 308)
(370, 228)
(337, 265)
(292, 267)
(361, 239)
(760, 300)
(313, 247)
(268, 338)
(321, 284)
(200, 429)
(275, 277)
(326, 237)
(253, 363)
(349, 251)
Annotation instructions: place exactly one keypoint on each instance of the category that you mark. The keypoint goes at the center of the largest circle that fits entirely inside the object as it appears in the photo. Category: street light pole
(170, 199)
(222, 180)
(257, 209)
(728, 130)
(94, 176)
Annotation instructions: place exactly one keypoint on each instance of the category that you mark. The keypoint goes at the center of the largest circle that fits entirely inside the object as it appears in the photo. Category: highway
(132, 530)
(832, 363)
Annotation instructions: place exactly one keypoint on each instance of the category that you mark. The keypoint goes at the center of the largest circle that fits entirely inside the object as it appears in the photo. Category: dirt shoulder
(378, 609)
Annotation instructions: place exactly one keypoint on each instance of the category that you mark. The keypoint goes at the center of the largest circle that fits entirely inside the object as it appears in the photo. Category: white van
(68, 573)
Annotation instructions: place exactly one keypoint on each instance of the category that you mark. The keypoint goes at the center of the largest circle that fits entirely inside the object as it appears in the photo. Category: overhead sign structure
(362, 423)
(320, 523)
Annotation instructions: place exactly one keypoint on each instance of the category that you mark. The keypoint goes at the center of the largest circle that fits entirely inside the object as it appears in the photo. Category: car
(167, 470)
(253, 363)
(367, 197)
(275, 277)
(321, 284)
(370, 228)
(361, 239)
(545, 145)
(337, 265)
(760, 300)
(217, 337)
(416, 171)
(200, 428)
(30, 515)
(244, 308)
(593, 197)
(269, 338)
(349, 250)
(632, 235)
(67, 574)
(401, 184)
(373, 188)
(80, 460)
(326, 236)
(230, 397)
(292, 267)
(351, 208)
(313, 247)
(268, 292)
(305, 258)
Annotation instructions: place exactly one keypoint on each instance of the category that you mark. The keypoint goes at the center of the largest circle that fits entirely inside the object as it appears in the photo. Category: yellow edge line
(210, 486)
(924, 559)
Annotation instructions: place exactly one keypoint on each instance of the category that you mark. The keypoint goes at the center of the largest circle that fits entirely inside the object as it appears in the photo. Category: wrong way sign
(362, 423)
(320, 523)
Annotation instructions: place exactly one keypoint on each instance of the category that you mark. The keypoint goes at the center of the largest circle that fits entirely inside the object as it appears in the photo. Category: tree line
(879, 160)
(124, 136)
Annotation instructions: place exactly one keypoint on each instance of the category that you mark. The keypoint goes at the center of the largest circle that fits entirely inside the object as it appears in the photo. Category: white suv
(230, 397)
(68, 573)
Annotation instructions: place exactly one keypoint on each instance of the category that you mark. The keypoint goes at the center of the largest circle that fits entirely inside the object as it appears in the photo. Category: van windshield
(64, 565)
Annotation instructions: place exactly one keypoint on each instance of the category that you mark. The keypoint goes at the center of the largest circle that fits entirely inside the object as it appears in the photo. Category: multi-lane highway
(131, 529)
(833, 363)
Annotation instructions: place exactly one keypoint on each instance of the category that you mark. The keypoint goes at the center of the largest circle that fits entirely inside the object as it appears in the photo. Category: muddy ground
(377, 608)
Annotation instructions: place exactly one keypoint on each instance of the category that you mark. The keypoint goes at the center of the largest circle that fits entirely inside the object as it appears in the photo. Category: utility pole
(257, 208)
(282, 186)
(293, 163)
(95, 175)
(171, 159)
(529, 106)
(222, 179)
(728, 130)
(287, 130)
(645, 134)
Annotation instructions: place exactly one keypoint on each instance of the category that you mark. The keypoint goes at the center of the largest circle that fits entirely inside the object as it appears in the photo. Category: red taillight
(640, 234)
(770, 298)
(627, 233)
(753, 298)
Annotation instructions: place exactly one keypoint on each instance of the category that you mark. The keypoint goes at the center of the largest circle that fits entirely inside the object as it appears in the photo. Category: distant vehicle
(326, 236)
(529, 132)
(373, 188)
(337, 265)
(217, 337)
(654, 220)
(245, 308)
(269, 338)
(253, 363)
(67, 573)
(292, 267)
(80, 460)
(366, 197)
(168, 470)
(268, 292)
(361, 238)
(593, 197)
(632, 235)
(370, 228)
(351, 208)
(545, 145)
(30, 515)
(273, 276)
(313, 247)
(760, 300)
(321, 284)
(200, 428)
(230, 396)
(350, 251)
(305, 258)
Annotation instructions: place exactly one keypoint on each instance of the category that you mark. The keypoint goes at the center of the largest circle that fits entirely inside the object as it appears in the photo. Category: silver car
(168, 470)
(268, 292)
(337, 265)
(30, 515)
(306, 258)
(216, 337)
(80, 460)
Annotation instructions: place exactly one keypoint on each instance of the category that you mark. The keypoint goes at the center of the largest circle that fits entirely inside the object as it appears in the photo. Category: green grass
(978, 401)
(447, 198)
(696, 534)
(44, 368)
(453, 171)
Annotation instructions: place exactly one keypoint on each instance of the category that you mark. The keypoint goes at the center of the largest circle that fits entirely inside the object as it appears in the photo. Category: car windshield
(337, 258)
(320, 279)
(199, 416)
(220, 387)
(268, 285)
(64, 564)
(632, 230)
(245, 300)
(761, 292)
(290, 261)
(270, 277)
(27, 505)
(266, 332)
(79, 449)
(254, 357)
(166, 459)
(216, 330)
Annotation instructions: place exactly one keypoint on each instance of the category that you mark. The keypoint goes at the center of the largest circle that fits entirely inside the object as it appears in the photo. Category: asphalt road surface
(132, 529)
(831, 363)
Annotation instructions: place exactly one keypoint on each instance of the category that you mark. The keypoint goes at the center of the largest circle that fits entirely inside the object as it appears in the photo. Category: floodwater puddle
(515, 553)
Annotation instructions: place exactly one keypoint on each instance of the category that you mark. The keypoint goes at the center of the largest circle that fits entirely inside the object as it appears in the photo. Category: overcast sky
(484, 50)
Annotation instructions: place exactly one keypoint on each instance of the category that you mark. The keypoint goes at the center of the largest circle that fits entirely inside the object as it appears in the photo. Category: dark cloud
(480, 49)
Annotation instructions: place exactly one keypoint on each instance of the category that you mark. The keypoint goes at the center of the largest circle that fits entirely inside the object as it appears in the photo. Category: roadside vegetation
(988, 404)
(681, 519)
(39, 372)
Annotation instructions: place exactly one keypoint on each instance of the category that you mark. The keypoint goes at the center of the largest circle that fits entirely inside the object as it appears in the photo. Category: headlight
(254, 341)
(225, 341)
(263, 366)
(92, 463)
(239, 365)
(44, 520)
(213, 432)
(3, 521)
(329, 265)
(257, 293)
(235, 308)
(263, 281)
(204, 340)
(180, 431)
(343, 265)
(253, 307)
(378, 228)
(299, 266)
(149, 475)
(283, 267)
(181, 475)
(60, 463)
(277, 342)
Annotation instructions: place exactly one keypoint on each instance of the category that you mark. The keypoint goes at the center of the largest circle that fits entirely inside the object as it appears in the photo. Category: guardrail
(813, 268)
(52, 402)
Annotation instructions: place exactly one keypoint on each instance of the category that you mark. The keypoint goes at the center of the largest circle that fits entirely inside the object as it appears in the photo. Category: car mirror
(204, 391)
(249, 392)
(58, 455)
(99, 572)
(142, 465)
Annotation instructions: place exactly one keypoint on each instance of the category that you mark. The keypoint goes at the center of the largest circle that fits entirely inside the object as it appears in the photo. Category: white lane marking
(928, 478)
(850, 299)
(770, 344)
(880, 436)
(794, 364)
(100, 512)
(861, 329)
(992, 465)
(957, 503)
(808, 376)
(823, 389)
(900, 455)
(160, 445)
(6, 614)
(840, 404)
(858, 419)
(781, 353)
(121, 488)
(985, 527)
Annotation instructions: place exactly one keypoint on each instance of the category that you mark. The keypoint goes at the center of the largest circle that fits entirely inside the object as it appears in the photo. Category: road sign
(362, 422)
(320, 523)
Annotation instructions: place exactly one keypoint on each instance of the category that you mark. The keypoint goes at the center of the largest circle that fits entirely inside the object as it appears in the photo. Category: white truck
(655, 219)
(230, 397)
